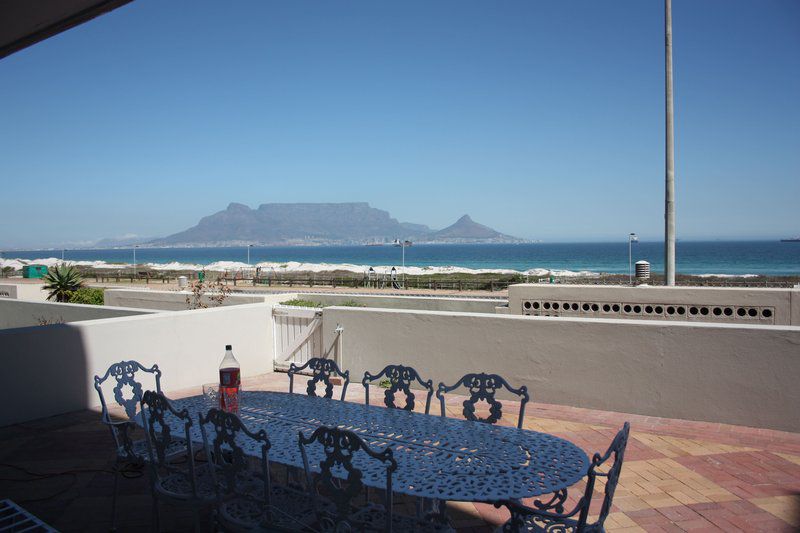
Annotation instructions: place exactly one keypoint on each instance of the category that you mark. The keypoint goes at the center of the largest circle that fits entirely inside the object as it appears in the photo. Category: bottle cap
(228, 347)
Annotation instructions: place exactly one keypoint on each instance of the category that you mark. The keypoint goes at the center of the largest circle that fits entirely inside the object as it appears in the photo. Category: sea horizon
(718, 257)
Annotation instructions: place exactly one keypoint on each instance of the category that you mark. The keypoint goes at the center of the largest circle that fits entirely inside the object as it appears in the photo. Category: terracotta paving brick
(678, 476)
(787, 508)
(748, 474)
(789, 457)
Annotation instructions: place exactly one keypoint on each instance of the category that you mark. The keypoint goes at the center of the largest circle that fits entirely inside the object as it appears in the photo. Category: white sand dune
(295, 266)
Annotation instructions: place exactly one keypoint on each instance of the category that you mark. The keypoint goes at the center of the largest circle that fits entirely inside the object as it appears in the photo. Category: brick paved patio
(678, 475)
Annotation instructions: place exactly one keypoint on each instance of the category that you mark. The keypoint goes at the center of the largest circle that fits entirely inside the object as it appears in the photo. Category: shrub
(62, 281)
(87, 295)
(301, 303)
(351, 303)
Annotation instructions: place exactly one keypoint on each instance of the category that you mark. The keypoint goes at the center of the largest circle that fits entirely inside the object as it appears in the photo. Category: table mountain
(305, 223)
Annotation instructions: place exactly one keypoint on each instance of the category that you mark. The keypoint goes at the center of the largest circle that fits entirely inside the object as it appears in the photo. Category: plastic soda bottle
(229, 382)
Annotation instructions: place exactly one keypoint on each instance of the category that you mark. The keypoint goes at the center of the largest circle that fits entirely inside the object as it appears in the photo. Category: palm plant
(62, 282)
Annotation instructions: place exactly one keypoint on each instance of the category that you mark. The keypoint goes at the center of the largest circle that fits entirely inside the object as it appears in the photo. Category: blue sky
(541, 119)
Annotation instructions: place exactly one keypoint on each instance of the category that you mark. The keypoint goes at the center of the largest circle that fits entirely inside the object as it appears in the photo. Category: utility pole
(669, 196)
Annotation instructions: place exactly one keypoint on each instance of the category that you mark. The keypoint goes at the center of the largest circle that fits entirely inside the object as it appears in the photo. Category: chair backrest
(550, 515)
(225, 438)
(483, 387)
(127, 393)
(400, 380)
(157, 413)
(321, 371)
(125, 375)
(339, 480)
(617, 450)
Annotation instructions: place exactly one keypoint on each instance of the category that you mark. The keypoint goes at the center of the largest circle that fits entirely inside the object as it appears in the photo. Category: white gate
(298, 335)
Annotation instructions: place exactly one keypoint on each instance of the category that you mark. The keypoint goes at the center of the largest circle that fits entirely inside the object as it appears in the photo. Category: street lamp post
(669, 195)
(134, 259)
(403, 246)
(248, 253)
(62, 254)
(632, 238)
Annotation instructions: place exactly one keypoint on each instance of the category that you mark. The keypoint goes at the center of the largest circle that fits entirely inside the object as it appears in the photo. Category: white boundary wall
(176, 300)
(23, 291)
(704, 304)
(421, 303)
(23, 313)
(745, 375)
(49, 370)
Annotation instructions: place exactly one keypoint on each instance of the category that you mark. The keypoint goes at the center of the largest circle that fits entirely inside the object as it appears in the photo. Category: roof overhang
(26, 22)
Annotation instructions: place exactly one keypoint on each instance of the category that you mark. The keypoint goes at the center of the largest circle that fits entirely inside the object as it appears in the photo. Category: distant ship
(793, 239)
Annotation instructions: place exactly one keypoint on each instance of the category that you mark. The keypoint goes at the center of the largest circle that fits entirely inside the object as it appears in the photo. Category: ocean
(727, 258)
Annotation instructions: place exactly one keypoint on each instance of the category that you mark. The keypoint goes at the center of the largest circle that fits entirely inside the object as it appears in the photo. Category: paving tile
(787, 508)
(748, 474)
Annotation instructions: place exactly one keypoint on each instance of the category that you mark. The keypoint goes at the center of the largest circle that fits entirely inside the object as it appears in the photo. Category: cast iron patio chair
(400, 378)
(179, 483)
(550, 515)
(338, 484)
(484, 387)
(321, 371)
(127, 394)
(247, 500)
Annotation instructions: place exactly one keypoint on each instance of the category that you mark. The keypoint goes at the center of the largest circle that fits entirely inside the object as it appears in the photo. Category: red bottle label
(229, 381)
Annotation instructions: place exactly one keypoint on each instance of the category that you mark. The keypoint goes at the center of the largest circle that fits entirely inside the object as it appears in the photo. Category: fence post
(491, 286)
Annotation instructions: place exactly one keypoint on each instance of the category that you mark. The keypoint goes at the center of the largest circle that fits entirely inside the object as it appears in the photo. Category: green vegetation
(384, 383)
(87, 295)
(308, 303)
(301, 303)
(351, 303)
(62, 282)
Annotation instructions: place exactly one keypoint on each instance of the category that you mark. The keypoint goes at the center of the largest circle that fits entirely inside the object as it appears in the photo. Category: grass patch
(351, 303)
(297, 302)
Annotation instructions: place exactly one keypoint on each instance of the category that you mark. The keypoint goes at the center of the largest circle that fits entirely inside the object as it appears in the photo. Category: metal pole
(669, 201)
(630, 261)
(404, 264)
(134, 261)
(248, 254)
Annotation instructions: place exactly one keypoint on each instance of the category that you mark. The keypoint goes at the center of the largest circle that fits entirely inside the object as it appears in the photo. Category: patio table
(437, 457)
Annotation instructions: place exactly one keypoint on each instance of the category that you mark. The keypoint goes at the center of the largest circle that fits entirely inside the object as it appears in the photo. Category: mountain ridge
(320, 223)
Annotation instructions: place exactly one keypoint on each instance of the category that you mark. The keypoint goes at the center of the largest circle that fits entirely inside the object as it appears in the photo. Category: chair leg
(155, 521)
(441, 514)
(114, 499)
(438, 510)
(196, 519)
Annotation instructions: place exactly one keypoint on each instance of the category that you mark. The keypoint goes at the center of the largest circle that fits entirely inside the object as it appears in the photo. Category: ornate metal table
(442, 458)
